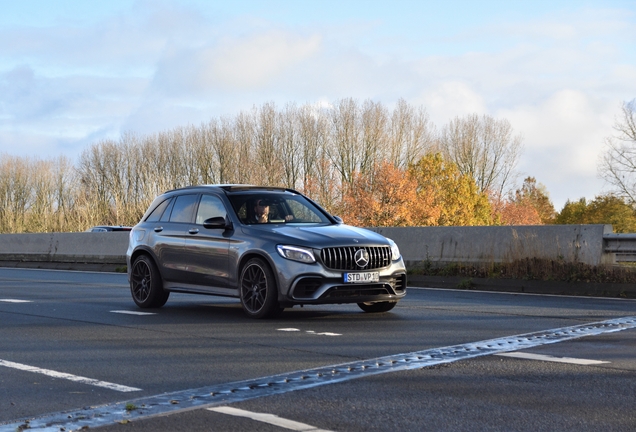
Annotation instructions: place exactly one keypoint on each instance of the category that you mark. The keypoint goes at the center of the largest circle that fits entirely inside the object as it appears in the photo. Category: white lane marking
(15, 301)
(541, 357)
(127, 312)
(62, 375)
(309, 332)
(268, 418)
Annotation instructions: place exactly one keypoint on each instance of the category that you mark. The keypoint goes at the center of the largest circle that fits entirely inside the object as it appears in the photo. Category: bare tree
(290, 146)
(268, 167)
(374, 125)
(220, 135)
(16, 175)
(244, 148)
(618, 163)
(411, 135)
(93, 172)
(344, 146)
(313, 136)
(485, 149)
(65, 187)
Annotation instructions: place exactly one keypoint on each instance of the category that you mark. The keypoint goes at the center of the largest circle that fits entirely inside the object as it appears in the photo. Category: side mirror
(338, 219)
(217, 223)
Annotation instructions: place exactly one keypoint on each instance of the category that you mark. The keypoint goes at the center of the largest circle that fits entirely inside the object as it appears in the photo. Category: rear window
(157, 212)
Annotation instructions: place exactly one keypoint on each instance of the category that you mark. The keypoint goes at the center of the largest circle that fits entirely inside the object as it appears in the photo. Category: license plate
(361, 277)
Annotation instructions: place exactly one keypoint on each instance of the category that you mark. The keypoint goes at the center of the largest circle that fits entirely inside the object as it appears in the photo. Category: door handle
(193, 231)
(158, 229)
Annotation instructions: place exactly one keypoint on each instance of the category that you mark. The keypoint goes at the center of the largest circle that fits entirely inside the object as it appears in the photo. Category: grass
(465, 284)
(531, 269)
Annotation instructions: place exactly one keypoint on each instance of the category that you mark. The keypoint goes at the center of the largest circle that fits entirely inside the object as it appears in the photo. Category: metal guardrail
(623, 246)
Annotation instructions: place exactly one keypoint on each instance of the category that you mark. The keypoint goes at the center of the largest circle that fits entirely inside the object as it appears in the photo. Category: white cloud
(254, 61)
(451, 99)
(563, 139)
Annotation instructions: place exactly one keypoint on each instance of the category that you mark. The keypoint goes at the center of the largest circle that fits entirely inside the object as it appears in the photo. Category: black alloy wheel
(377, 306)
(259, 293)
(146, 285)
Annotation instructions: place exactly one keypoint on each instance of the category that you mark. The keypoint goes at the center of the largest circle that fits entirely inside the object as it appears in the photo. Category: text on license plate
(361, 277)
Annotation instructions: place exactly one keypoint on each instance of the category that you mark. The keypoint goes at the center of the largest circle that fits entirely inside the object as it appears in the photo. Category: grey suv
(271, 247)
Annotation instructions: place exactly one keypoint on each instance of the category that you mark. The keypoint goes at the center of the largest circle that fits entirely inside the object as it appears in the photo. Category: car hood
(322, 236)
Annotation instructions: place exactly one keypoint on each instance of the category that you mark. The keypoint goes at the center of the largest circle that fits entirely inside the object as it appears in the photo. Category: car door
(206, 249)
(169, 237)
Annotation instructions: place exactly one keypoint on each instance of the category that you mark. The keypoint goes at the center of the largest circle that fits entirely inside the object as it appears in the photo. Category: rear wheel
(146, 285)
(259, 293)
(377, 307)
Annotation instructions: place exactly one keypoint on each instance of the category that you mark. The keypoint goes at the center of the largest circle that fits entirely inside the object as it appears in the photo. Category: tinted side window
(166, 214)
(183, 208)
(158, 211)
(209, 207)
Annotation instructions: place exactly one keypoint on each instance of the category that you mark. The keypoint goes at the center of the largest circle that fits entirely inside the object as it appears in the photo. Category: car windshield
(271, 207)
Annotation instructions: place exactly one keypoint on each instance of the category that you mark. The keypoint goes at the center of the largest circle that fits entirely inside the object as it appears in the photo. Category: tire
(259, 293)
(377, 307)
(146, 285)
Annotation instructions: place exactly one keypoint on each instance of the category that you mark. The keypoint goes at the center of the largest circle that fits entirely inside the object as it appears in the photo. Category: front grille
(343, 258)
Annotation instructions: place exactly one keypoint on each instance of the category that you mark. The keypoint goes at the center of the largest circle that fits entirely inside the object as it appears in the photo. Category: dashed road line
(224, 394)
(15, 301)
(70, 377)
(548, 358)
(309, 332)
(323, 333)
(129, 312)
(268, 418)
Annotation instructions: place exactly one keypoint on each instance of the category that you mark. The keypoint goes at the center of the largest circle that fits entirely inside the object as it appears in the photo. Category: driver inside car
(262, 212)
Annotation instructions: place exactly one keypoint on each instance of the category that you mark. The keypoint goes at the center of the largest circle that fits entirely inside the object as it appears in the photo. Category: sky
(74, 72)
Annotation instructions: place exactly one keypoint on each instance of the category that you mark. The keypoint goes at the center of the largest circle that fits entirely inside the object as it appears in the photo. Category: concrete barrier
(496, 244)
(83, 247)
(441, 245)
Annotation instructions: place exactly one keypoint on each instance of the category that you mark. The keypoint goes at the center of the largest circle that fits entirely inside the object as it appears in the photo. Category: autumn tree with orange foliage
(515, 212)
(529, 205)
(431, 192)
(388, 198)
(455, 198)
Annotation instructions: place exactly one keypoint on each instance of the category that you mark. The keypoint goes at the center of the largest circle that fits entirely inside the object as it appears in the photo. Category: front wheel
(259, 293)
(377, 307)
(146, 285)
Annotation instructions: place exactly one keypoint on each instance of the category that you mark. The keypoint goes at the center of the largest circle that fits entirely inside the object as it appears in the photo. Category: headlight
(395, 250)
(296, 253)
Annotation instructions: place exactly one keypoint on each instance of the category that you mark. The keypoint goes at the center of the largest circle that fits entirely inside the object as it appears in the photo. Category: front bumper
(317, 290)
(314, 284)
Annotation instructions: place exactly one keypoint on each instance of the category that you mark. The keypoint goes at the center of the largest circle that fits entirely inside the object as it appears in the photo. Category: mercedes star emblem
(361, 257)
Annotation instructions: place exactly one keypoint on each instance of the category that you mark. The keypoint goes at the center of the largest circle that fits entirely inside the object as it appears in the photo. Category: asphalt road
(73, 350)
